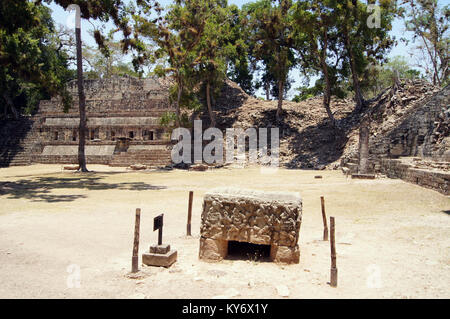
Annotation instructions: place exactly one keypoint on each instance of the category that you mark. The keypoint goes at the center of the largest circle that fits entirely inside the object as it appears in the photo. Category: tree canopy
(342, 44)
(32, 65)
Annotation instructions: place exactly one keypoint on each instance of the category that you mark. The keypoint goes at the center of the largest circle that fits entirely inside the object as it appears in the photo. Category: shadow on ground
(40, 189)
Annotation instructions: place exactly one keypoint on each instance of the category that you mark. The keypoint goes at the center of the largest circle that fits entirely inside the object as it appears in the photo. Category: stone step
(149, 165)
(137, 161)
(143, 155)
(352, 167)
(142, 158)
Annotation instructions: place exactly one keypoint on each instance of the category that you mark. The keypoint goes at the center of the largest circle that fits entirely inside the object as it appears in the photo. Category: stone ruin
(123, 125)
(255, 217)
(421, 133)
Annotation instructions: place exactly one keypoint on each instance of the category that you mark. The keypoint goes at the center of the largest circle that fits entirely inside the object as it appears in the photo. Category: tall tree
(271, 35)
(215, 44)
(108, 61)
(238, 50)
(32, 66)
(365, 43)
(316, 43)
(430, 25)
(119, 12)
(177, 35)
(81, 96)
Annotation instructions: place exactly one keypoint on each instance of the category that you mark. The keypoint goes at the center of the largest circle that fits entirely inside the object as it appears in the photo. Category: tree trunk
(280, 99)
(357, 88)
(208, 103)
(327, 93)
(5, 111)
(177, 110)
(82, 105)
(267, 87)
(327, 98)
(10, 103)
(323, 62)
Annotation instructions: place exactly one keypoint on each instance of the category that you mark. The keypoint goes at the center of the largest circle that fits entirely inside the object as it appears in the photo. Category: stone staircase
(17, 142)
(349, 165)
(149, 158)
(422, 131)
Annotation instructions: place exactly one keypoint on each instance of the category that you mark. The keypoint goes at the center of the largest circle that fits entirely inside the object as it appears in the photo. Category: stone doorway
(247, 251)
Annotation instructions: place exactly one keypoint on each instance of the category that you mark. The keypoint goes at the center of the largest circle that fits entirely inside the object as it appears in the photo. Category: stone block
(363, 176)
(199, 167)
(138, 167)
(159, 260)
(283, 254)
(159, 249)
(263, 218)
(72, 167)
(213, 249)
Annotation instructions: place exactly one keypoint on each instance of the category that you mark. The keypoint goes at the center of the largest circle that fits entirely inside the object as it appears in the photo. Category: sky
(398, 30)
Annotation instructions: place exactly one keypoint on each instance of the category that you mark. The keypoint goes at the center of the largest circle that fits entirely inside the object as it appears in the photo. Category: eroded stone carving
(264, 218)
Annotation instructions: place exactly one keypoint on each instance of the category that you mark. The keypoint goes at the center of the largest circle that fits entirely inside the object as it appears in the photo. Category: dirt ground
(66, 235)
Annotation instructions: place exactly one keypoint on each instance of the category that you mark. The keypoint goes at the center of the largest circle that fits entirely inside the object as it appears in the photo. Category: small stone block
(72, 167)
(159, 260)
(159, 249)
(283, 254)
(363, 176)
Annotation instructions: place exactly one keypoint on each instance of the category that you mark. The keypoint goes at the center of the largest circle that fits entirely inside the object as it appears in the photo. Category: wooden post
(333, 272)
(324, 218)
(135, 258)
(191, 198)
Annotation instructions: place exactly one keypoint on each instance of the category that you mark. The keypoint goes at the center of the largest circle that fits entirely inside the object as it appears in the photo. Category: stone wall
(117, 94)
(404, 169)
(264, 218)
(119, 107)
(423, 131)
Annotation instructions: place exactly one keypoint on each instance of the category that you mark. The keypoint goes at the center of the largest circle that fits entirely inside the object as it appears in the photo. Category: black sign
(158, 222)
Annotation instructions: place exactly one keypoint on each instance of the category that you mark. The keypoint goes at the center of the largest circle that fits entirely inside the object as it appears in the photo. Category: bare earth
(393, 238)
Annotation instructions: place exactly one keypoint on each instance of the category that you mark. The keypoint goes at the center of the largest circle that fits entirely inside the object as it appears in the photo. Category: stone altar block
(256, 217)
(160, 256)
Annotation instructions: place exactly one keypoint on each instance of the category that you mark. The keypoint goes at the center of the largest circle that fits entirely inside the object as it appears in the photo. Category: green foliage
(377, 78)
(118, 12)
(309, 92)
(176, 36)
(430, 26)
(198, 44)
(334, 40)
(269, 28)
(316, 39)
(107, 62)
(364, 44)
(188, 99)
(32, 66)
(238, 51)
(168, 120)
(339, 91)
(216, 43)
